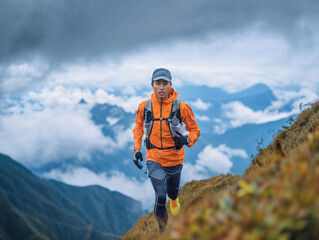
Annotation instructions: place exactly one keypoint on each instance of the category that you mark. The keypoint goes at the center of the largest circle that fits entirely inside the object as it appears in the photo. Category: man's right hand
(138, 156)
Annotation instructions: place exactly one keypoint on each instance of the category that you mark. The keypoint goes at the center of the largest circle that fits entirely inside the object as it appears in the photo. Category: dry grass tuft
(145, 228)
(277, 201)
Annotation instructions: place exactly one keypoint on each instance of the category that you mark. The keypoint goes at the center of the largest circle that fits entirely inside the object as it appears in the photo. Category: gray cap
(161, 73)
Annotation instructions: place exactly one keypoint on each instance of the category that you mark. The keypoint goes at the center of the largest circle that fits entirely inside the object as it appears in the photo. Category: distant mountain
(257, 97)
(36, 208)
(82, 101)
(111, 118)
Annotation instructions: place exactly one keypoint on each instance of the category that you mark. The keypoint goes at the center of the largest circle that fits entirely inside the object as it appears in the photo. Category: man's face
(161, 89)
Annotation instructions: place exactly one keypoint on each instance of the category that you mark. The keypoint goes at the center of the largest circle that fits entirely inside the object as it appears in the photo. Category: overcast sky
(100, 41)
(53, 53)
(70, 30)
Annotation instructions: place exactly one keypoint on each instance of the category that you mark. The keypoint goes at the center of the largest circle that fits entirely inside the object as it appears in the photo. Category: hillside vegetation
(276, 198)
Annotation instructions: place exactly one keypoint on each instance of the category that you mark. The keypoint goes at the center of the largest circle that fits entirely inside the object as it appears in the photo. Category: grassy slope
(192, 194)
(275, 199)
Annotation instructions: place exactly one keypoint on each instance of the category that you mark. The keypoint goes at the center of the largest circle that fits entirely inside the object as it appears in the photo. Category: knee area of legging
(161, 198)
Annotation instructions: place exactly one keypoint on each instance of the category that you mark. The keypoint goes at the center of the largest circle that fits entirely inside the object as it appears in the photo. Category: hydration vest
(174, 121)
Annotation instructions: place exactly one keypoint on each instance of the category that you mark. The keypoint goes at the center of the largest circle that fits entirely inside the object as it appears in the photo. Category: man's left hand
(180, 140)
(137, 158)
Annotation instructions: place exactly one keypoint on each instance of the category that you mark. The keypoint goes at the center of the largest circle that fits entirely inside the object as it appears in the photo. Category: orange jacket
(161, 135)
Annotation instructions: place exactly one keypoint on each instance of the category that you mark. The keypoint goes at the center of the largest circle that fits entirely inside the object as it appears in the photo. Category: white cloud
(20, 76)
(303, 96)
(112, 121)
(115, 181)
(199, 104)
(211, 160)
(193, 172)
(122, 138)
(203, 118)
(295, 98)
(66, 96)
(221, 126)
(233, 63)
(237, 114)
(49, 126)
(39, 137)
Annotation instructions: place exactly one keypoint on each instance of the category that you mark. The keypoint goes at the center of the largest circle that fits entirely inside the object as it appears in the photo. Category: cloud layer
(211, 160)
(50, 126)
(236, 114)
(199, 104)
(102, 44)
(232, 63)
(69, 30)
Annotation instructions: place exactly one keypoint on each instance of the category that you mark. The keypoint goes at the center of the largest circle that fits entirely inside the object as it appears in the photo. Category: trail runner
(160, 119)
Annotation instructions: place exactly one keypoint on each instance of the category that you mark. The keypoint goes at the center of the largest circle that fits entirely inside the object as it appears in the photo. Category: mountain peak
(82, 101)
(256, 89)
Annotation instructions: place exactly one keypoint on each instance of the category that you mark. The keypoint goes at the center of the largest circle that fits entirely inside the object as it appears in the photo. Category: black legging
(169, 186)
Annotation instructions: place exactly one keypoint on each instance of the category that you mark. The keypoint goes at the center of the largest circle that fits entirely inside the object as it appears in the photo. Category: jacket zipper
(161, 126)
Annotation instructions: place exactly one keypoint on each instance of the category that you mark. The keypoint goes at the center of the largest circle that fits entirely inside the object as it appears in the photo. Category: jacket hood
(172, 96)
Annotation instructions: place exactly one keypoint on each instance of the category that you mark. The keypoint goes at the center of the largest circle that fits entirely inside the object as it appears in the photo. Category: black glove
(180, 140)
(138, 156)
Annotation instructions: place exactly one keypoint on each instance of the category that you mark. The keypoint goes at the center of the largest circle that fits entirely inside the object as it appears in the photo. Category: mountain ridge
(37, 208)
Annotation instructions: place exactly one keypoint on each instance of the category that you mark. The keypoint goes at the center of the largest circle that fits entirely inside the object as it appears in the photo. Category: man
(160, 119)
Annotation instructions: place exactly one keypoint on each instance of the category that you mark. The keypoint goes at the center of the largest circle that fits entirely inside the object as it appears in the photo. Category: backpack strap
(176, 110)
(148, 118)
(175, 118)
(148, 111)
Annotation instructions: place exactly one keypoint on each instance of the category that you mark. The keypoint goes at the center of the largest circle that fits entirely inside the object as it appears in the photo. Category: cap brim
(162, 77)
